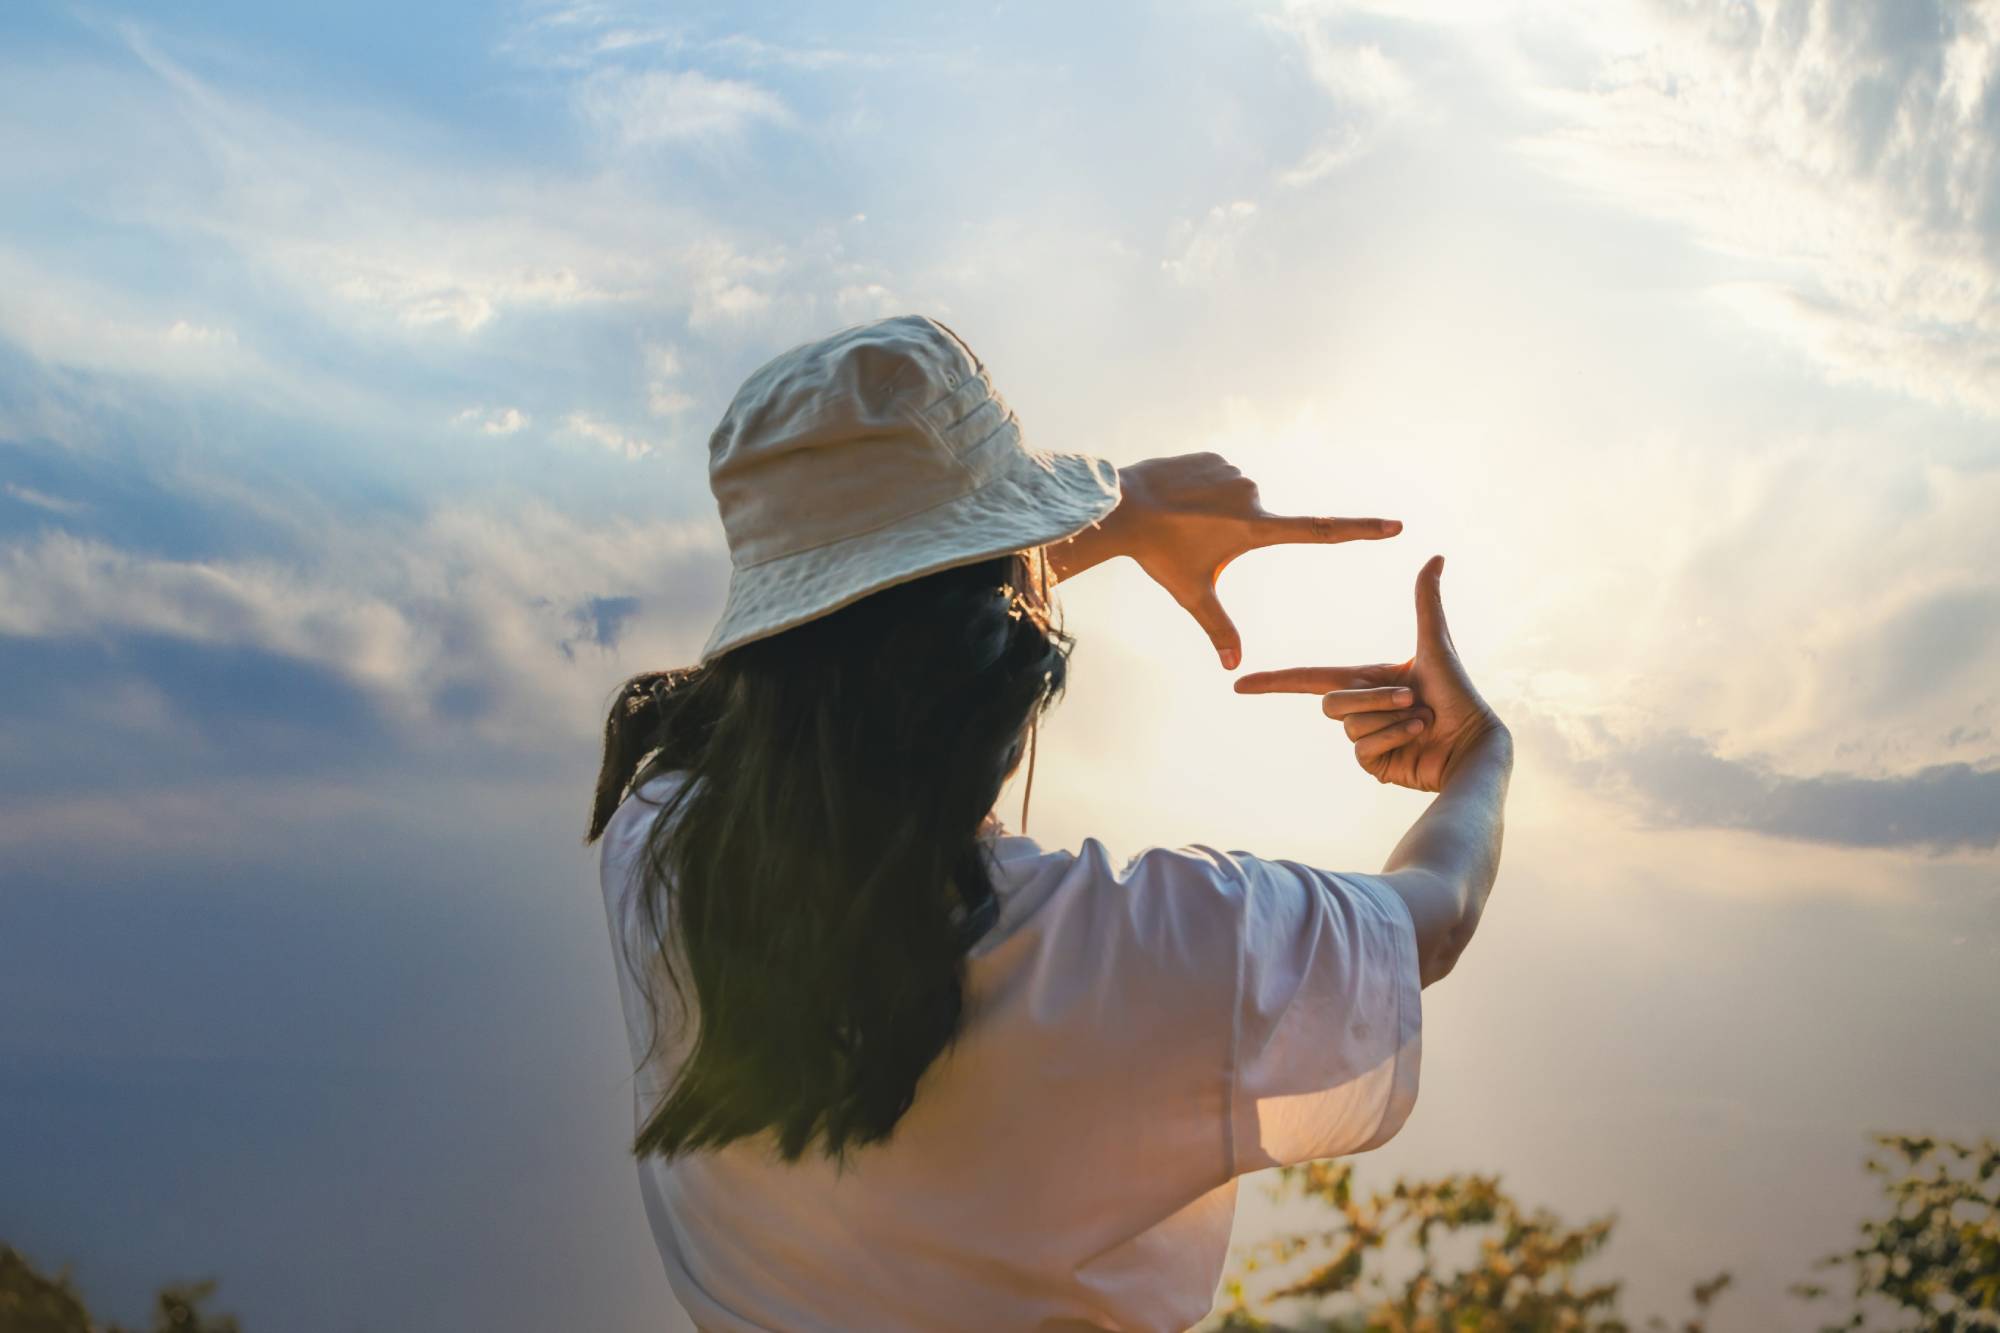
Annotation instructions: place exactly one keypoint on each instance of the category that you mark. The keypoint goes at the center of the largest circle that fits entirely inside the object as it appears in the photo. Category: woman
(900, 1068)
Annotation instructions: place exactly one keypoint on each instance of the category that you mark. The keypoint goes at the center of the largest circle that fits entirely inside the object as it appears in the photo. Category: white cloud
(723, 279)
(859, 301)
(675, 106)
(497, 421)
(663, 400)
(583, 36)
(1199, 252)
(1335, 149)
(181, 331)
(663, 360)
(422, 291)
(663, 366)
(1848, 151)
(604, 433)
(755, 51)
(60, 585)
(466, 597)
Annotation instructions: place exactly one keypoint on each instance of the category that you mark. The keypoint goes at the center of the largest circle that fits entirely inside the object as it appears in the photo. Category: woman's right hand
(1183, 520)
(1410, 722)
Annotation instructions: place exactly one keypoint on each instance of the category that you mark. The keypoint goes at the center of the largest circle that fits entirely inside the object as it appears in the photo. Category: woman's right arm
(1421, 724)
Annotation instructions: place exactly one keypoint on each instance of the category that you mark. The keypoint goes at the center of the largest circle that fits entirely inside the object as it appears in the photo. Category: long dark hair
(826, 870)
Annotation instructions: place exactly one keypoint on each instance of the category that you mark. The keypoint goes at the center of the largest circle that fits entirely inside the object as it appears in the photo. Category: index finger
(1316, 680)
(1276, 529)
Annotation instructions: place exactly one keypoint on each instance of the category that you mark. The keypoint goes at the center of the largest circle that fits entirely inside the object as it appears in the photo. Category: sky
(356, 370)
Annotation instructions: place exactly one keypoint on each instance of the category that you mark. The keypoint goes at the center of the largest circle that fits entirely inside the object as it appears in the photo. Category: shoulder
(1165, 908)
(1196, 901)
(1189, 885)
(1191, 871)
(1193, 875)
(1200, 879)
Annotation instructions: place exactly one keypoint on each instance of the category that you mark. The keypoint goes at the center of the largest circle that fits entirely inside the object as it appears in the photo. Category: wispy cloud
(1367, 90)
(648, 107)
(603, 433)
(1204, 250)
(573, 36)
(52, 504)
(664, 396)
(569, 35)
(493, 421)
(379, 231)
(1849, 151)
(467, 603)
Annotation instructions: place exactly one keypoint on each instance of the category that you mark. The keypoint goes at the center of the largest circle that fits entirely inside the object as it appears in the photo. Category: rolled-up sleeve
(1328, 1023)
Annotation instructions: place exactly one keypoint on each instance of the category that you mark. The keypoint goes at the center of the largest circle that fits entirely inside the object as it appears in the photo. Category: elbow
(1450, 946)
(1437, 967)
(1444, 908)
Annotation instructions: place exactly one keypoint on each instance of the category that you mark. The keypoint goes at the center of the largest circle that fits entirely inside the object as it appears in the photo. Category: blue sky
(355, 374)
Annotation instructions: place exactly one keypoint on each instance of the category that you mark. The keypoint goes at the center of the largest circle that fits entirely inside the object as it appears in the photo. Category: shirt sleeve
(1328, 1022)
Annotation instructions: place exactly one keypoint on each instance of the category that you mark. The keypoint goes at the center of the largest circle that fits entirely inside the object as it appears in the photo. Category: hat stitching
(981, 381)
(961, 439)
(999, 436)
(915, 416)
(942, 433)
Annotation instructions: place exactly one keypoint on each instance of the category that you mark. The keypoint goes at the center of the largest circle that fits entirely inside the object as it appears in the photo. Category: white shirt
(1138, 1034)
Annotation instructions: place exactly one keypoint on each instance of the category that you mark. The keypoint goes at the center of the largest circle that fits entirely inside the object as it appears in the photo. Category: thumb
(1432, 632)
(1206, 608)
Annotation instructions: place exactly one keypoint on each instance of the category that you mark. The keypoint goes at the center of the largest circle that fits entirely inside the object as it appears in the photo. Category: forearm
(1445, 866)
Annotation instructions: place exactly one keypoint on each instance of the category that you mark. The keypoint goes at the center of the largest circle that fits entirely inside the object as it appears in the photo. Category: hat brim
(1042, 498)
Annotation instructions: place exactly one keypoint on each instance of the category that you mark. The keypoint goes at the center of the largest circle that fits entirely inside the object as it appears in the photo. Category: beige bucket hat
(873, 456)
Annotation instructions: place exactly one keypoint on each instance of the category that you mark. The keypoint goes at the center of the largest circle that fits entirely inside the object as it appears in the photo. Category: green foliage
(1933, 1263)
(177, 1309)
(1458, 1255)
(32, 1301)
(1469, 1259)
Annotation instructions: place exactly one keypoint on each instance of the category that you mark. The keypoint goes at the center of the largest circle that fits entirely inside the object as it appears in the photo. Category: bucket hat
(873, 456)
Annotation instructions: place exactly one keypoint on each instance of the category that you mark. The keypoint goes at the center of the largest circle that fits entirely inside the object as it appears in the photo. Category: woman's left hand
(1184, 519)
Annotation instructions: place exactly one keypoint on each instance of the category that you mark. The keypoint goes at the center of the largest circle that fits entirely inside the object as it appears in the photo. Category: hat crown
(849, 434)
(878, 454)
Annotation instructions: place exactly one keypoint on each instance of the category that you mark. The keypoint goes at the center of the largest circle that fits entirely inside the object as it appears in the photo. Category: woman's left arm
(1184, 519)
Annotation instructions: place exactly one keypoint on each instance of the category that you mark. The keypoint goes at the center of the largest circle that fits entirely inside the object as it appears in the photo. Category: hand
(1184, 519)
(1410, 722)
